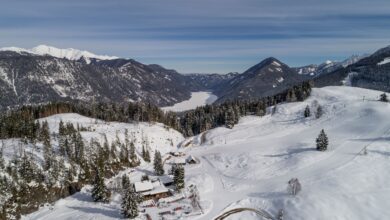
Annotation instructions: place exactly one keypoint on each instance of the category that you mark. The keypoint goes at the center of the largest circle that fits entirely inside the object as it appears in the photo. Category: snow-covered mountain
(372, 72)
(27, 78)
(266, 78)
(327, 66)
(69, 53)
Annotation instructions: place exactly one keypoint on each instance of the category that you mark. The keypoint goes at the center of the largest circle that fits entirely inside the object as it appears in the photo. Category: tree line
(21, 123)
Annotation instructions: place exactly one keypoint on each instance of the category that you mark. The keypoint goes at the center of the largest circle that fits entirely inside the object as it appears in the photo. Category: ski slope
(249, 166)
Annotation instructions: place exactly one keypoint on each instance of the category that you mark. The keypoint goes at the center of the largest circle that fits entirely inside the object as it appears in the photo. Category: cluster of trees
(63, 170)
(228, 113)
(21, 123)
(318, 113)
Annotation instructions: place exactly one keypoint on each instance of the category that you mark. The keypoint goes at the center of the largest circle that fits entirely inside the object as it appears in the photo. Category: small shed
(191, 160)
(166, 180)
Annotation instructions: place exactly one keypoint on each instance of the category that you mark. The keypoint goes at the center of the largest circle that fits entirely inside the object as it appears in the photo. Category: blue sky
(201, 35)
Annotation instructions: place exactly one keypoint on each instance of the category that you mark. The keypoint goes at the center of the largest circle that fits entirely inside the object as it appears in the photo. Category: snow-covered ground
(249, 166)
(197, 99)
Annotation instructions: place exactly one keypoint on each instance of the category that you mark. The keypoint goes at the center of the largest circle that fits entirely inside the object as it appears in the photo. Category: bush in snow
(319, 111)
(383, 98)
(322, 141)
(144, 177)
(307, 113)
(294, 187)
(280, 215)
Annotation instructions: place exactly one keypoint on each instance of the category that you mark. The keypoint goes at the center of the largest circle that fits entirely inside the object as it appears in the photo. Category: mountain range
(44, 74)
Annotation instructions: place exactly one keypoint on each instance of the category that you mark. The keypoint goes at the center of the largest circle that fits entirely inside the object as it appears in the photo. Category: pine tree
(2, 162)
(322, 141)
(99, 192)
(319, 111)
(106, 149)
(130, 203)
(307, 112)
(47, 148)
(125, 182)
(145, 154)
(178, 177)
(133, 156)
(78, 148)
(158, 166)
(26, 169)
(383, 98)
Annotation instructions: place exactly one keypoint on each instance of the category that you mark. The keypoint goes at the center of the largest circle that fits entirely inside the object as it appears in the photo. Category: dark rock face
(209, 81)
(31, 79)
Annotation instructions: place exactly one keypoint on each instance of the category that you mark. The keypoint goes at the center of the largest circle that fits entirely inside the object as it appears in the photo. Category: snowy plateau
(249, 165)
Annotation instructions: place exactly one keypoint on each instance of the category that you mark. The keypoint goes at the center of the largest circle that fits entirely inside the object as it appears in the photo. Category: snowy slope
(249, 165)
(197, 99)
(157, 135)
(69, 53)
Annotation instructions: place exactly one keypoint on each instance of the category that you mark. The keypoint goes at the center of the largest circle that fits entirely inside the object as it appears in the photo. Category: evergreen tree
(319, 111)
(307, 112)
(383, 98)
(178, 177)
(125, 182)
(100, 192)
(145, 154)
(106, 149)
(133, 155)
(322, 141)
(78, 148)
(158, 166)
(2, 162)
(130, 203)
(26, 168)
(47, 148)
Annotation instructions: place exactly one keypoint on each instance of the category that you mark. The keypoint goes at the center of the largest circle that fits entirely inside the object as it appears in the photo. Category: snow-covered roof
(191, 158)
(143, 186)
(180, 160)
(172, 198)
(166, 179)
(156, 190)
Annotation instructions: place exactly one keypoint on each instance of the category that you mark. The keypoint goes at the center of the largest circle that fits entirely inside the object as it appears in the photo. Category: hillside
(28, 78)
(251, 163)
(266, 78)
(371, 72)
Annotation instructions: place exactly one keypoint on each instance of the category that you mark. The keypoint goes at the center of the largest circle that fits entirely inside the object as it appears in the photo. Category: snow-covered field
(197, 99)
(249, 166)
